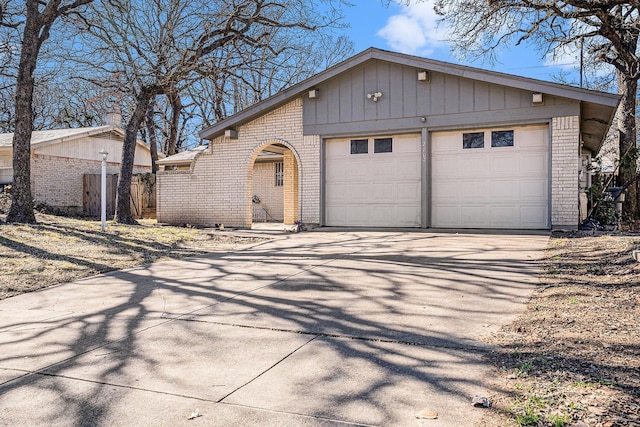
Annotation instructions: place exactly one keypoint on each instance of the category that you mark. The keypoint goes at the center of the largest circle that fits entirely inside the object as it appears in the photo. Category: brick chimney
(114, 116)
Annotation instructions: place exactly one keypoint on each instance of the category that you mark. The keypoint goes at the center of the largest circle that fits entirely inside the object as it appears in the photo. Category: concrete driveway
(333, 328)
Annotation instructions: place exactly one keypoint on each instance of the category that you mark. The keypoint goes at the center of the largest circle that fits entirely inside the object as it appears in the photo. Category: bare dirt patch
(61, 249)
(573, 359)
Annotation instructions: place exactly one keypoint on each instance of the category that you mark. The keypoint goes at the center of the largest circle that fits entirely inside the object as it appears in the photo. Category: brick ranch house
(391, 140)
(61, 157)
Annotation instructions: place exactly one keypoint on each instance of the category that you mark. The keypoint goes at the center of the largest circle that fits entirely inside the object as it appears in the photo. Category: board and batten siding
(446, 102)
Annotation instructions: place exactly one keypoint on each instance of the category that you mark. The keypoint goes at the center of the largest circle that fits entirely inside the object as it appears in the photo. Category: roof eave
(91, 132)
(281, 98)
(524, 83)
(168, 161)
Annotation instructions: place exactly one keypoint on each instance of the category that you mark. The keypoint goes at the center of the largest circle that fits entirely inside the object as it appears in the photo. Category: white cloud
(414, 30)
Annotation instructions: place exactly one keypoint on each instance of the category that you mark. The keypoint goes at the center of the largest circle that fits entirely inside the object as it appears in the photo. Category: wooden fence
(91, 194)
(143, 195)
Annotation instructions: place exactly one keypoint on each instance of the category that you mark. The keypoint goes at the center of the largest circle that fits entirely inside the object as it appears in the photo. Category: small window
(502, 138)
(279, 174)
(359, 146)
(382, 145)
(473, 140)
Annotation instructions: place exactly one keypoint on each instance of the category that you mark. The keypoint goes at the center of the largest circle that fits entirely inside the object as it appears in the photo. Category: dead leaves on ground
(573, 358)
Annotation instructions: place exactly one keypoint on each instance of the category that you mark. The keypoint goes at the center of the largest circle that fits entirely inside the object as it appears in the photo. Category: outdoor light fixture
(231, 133)
(424, 76)
(374, 96)
(314, 93)
(537, 98)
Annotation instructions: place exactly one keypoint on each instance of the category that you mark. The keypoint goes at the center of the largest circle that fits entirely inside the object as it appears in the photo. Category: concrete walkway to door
(332, 328)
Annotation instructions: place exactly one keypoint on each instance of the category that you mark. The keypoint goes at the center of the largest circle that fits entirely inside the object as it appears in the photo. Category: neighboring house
(390, 140)
(60, 158)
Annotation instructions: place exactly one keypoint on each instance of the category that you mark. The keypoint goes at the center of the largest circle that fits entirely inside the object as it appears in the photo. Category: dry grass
(61, 249)
(573, 359)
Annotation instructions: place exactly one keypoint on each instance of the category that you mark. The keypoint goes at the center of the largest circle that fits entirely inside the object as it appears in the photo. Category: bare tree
(608, 29)
(9, 56)
(160, 47)
(36, 23)
(260, 73)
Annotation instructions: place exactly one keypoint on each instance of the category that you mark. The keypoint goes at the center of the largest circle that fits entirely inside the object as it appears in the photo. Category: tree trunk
(628, 174)
(153, 139)
(21, 199)
(176, 108)
(123, 205)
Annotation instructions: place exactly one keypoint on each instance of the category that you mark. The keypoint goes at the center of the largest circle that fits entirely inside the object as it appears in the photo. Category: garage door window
(473, 140)
(359, 146)
(382, 145)
(502, 138)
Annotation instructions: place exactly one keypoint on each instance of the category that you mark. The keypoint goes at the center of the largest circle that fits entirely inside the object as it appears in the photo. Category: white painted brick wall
(565, 143)
(218, 189)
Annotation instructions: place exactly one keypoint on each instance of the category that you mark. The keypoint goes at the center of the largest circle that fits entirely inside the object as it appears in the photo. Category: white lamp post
(103, 190)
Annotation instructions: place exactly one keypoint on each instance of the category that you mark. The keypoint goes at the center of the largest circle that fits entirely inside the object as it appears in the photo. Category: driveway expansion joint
(266, 370)
(123, 386)
(469, 348)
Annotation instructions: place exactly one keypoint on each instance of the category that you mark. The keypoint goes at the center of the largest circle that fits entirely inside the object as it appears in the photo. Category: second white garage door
(373, 182)
(491, 178)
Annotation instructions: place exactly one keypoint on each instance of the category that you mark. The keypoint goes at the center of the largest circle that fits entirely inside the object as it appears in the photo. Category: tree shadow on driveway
(353, 327)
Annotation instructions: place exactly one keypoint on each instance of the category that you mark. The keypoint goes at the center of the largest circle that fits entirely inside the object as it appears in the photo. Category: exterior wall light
(374, 96)
(424, 76)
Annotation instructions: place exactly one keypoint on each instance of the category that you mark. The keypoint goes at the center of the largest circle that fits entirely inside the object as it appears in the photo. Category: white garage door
(373, 182)
(491, 178)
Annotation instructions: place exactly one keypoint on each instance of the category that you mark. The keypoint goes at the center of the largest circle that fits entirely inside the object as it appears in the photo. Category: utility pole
(581, 59)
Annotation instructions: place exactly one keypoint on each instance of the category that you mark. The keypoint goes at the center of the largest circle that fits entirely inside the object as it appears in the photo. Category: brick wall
(218, 188)
(57, 181)
(565, 155)
(264, 186)
(290, 189)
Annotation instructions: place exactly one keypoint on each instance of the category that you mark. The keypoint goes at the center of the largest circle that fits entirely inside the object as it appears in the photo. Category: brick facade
(565, 157)
(57, 181)
(290, 188)
(222, 177)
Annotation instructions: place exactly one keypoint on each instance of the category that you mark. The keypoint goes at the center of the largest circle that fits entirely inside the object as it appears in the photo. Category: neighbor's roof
(41, 138)
(184, 157)
(598, 107)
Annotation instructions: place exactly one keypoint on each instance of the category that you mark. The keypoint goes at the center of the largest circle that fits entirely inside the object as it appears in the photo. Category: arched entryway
(273, 184)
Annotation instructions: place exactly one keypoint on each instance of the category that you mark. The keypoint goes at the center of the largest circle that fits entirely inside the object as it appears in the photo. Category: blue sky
(414, 29)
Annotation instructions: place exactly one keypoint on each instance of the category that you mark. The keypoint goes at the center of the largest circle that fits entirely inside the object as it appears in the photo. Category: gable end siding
(446, 101)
